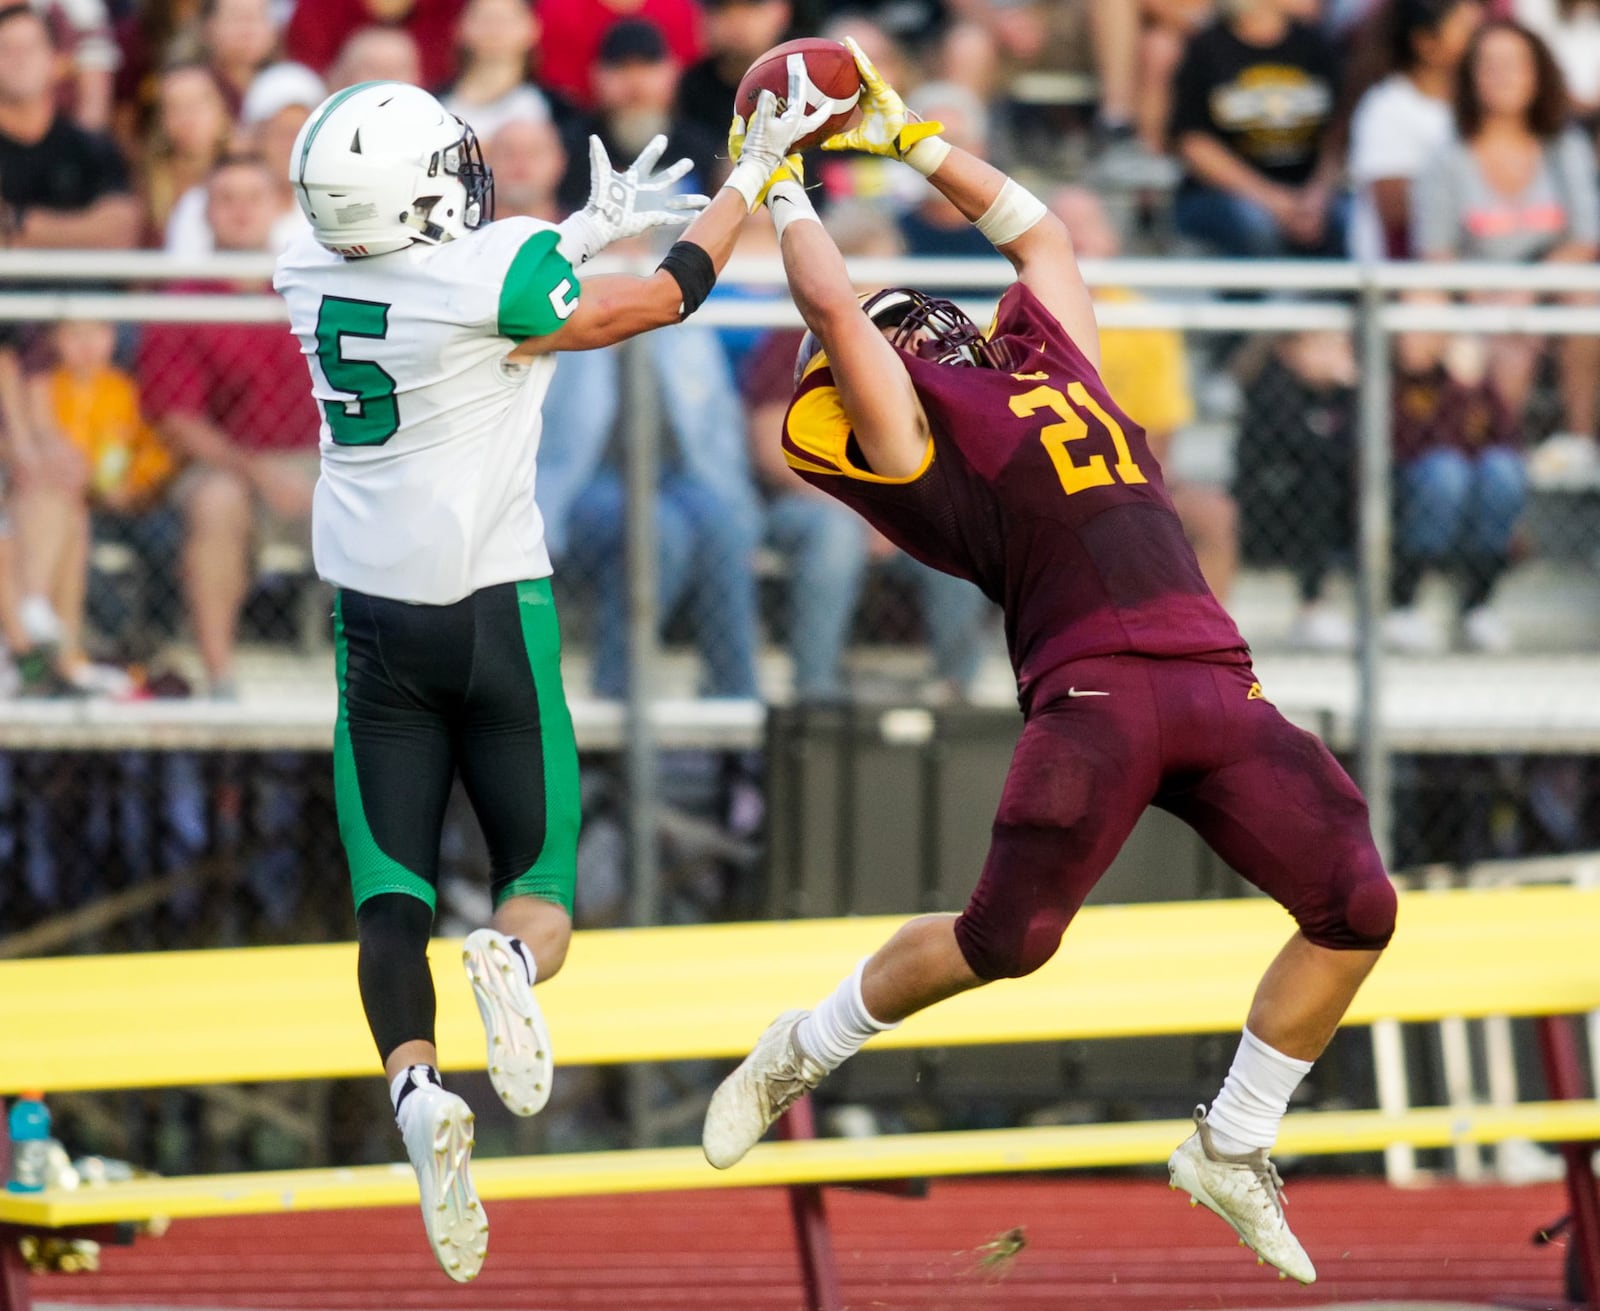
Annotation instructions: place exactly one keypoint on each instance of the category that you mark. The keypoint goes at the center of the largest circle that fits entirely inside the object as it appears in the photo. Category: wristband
(749, 180)
(926, 155)
(691, 268)
(580, 240)
(788, 203)
(1015, 210)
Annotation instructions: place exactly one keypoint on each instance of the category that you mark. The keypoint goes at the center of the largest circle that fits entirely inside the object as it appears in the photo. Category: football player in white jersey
(430, 333)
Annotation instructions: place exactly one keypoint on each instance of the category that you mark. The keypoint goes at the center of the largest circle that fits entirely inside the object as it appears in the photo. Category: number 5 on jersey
(1058, 438)
(372, 416)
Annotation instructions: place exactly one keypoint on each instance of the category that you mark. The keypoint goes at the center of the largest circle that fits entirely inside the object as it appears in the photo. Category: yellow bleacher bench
(267, 1014)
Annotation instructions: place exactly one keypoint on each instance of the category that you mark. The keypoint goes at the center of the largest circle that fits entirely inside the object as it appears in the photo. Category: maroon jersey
(1037, 488)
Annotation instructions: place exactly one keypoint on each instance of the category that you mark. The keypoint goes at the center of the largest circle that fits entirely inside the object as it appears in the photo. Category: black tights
(396, 984)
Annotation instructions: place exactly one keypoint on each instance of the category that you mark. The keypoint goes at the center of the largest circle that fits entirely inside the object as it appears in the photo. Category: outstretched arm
(617, 306)
(1022, 229)
(1041, 252)
(885, 414)
(612, 309)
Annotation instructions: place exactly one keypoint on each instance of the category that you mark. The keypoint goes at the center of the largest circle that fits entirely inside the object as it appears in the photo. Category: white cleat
(771, 1079)
(1246, 1192)
(520, 1064)
(439, 1143)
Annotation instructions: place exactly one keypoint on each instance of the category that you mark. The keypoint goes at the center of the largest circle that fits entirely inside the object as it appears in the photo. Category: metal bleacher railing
(1374, 707)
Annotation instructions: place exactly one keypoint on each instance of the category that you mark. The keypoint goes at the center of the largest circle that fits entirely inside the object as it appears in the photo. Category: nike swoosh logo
(1072, 691)
(782, 200)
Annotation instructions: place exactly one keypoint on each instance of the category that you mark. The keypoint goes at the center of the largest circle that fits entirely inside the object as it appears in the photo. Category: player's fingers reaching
(599, 168)
(764, 139)
(763, 117)
(645, 164)
(871, 79)
(794, 105)
(687, 205)
(668, 177)
(736, 135)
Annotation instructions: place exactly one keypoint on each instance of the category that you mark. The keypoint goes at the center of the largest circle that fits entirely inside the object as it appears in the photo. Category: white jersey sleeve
(430, 431)
(514, 283)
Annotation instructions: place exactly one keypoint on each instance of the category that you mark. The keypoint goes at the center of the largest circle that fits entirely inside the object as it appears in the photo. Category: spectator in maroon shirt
(218, 394)
(319, 29)
(574, 29)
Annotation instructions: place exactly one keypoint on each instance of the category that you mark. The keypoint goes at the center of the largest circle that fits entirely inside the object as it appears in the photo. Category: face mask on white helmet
(381, 165)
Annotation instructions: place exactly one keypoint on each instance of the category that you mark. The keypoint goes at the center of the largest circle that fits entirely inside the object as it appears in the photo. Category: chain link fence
(1413, 555)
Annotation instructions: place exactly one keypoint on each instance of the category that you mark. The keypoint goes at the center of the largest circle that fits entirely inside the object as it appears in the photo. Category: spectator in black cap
(738, 32)
(636, 85)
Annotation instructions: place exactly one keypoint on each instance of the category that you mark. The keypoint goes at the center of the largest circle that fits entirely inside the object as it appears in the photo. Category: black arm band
(692, 270)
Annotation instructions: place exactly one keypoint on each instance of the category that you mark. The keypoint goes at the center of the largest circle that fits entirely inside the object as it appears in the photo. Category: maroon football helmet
(947, 335)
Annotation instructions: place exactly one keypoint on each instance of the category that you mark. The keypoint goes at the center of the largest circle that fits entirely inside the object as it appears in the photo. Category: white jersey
(429, 433)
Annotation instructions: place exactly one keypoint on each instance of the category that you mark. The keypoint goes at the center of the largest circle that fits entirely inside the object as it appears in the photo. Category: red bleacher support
(818, 1269)
(15, 1294)
(1563, 1071)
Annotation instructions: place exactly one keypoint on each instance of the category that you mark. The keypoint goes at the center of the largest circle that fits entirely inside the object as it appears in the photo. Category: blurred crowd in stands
(157, 478)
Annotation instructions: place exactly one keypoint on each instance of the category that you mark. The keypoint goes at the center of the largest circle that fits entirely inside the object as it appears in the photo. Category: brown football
(832, 72)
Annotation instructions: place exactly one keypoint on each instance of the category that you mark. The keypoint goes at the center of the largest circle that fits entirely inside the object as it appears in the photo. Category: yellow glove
(887, 127)
(791, 170)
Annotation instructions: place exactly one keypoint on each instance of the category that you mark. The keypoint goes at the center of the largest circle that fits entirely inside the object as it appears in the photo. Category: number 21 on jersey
(1058, 438)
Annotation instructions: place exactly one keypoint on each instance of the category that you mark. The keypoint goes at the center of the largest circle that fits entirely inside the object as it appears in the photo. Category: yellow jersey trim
(820, 428)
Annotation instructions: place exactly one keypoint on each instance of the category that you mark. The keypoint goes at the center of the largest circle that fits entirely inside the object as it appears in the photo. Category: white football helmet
(380, 165)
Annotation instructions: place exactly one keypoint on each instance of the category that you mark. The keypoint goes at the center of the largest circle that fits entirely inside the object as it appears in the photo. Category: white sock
(528, 963)
(1254, 1097)
(840, 1025)
(39, 620)
(413, 1076)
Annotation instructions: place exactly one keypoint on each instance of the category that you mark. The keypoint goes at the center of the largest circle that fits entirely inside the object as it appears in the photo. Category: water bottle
(30, 1142)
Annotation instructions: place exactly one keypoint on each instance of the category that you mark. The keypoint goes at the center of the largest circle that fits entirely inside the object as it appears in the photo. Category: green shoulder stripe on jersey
(322, 118)
(540, 291)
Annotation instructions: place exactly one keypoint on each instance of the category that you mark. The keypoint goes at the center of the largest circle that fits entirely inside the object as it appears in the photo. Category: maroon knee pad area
(1359, 917)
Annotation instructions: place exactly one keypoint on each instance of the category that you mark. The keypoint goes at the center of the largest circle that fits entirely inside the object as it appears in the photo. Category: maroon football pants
(1108, 737)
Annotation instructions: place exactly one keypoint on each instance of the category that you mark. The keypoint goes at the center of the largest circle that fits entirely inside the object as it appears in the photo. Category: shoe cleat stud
(1261, 1260)
(1194, 1201)
(1281, 1275)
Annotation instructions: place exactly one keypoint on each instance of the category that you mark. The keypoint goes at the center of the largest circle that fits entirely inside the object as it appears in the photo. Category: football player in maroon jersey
(999, 457)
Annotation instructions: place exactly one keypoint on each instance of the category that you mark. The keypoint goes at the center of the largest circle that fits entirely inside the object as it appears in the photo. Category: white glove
(620, 204)
(761, 145)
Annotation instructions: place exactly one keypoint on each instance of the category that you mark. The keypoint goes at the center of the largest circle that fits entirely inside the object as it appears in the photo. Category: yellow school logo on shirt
(1255, 693)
